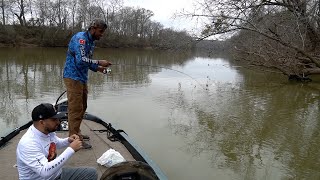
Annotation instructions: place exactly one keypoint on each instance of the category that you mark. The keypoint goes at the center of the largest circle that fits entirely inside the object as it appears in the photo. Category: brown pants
(77, 94)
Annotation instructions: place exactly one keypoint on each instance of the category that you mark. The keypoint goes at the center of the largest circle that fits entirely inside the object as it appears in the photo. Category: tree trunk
(19, 18)
(310, 71)
(59, 14)
(22, 14)
(3, 15)
(312, 34)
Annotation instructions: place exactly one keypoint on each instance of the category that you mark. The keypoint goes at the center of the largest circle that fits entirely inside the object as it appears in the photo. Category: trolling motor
(62, 107)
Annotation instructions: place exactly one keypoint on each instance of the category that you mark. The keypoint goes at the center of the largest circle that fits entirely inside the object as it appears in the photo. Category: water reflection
(29, 75)
(258, 129)
(132, 68)
(255, 124)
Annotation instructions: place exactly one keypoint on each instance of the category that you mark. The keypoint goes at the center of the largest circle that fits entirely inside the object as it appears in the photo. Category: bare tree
(143, 18)
(108, 8)
(3, 13)
(41, 13)
(127, 26)
(83, 12)
(18, 8)
(72, 9)
(153, 31)
(290, 25)
(94, 12)
(32, 20)
(59, 13)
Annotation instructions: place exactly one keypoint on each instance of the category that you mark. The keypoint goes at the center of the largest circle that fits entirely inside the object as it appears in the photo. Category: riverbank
(44, 36)
(27, 45)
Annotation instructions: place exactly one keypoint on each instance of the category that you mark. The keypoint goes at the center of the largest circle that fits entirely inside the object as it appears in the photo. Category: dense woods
(52, 23)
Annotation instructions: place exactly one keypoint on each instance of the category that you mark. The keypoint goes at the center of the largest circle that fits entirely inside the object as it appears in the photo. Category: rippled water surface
(197, 117)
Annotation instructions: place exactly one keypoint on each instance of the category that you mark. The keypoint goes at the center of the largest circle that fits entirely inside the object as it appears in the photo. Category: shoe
(86, 145)
(85, 137)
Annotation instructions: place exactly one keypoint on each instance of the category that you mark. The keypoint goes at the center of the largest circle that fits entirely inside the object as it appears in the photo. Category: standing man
(36, 151)
(79, 61)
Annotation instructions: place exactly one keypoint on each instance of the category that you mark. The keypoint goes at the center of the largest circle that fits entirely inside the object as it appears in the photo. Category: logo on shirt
(82, 41)
(52, 152)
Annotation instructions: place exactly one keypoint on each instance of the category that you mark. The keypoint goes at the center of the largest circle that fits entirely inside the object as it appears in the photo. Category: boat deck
(84, 157)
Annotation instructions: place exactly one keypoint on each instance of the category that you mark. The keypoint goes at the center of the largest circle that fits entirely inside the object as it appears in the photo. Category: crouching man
(36, 152)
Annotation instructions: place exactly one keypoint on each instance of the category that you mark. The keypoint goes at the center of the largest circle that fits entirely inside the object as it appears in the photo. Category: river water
(198, 116)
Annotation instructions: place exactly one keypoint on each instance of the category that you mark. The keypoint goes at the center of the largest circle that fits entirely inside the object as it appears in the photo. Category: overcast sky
(164, 10)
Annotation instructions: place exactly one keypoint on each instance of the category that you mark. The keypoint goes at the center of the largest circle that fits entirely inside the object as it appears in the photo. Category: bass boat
(103, 136)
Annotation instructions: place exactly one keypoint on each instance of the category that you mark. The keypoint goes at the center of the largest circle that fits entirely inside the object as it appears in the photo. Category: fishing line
(163, 67)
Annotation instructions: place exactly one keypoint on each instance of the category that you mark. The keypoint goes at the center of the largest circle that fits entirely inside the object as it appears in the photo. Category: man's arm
(83, 59)
(61, 143)
(31, 155)
(81, 56)
(102, 65)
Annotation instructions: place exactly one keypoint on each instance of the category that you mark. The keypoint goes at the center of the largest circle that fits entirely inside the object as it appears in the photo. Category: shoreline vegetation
(43, 36)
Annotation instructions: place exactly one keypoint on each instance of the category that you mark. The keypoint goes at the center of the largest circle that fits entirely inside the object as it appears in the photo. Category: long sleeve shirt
(33, 155)
(79, 57)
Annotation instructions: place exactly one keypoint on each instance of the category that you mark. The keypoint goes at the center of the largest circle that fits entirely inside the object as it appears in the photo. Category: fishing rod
(155, 66)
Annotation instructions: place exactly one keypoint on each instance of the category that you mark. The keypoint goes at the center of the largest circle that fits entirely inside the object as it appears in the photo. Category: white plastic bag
(110, 158)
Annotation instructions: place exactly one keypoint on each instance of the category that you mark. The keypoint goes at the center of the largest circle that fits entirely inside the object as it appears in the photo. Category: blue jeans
(87, 173)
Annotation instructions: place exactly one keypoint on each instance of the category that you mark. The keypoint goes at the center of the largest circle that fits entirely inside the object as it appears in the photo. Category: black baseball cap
(45, 111)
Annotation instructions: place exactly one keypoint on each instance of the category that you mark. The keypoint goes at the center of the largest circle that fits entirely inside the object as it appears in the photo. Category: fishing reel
(107, 71)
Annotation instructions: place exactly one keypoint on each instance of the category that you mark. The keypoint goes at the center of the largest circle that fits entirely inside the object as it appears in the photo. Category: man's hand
(104, 63)
(76, 145)
(101, 69)
(73, 137)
